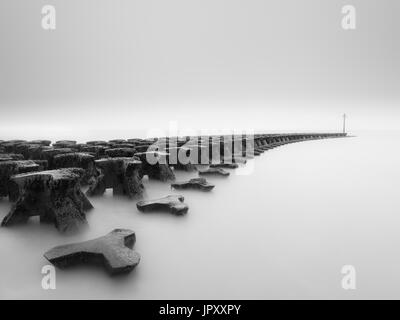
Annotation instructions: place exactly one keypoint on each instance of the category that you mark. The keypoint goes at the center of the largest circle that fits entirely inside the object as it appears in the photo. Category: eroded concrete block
(120, 152)
(11, 156)
(41, 142)
(113, 251)
(224, 165)
(55, 196)
(98, 143)
(196, 183)
(77, 160)
(97, 151)
(171, 203)
(157, 169)
(49, 154)
(214, 172)
(13, 167)
(123, 175)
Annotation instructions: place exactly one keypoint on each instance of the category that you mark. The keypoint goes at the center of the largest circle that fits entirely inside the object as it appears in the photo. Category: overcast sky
(115, 66)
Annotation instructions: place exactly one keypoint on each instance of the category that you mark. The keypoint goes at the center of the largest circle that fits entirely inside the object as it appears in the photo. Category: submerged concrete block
(120, 152)
(158, 170)
(98, 143)
(171, 203)
(113, 251)
(214, 171)
(117, 141)
(49, 154)
(196, 183)
(123, 175)
(10, 145)
(13, 167)
(96, 150)
(224, 165)
(41, 142)
(55, 196)
(11, 156)
(77, 160)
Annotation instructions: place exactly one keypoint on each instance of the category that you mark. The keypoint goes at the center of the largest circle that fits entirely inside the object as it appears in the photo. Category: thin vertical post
(344, 123)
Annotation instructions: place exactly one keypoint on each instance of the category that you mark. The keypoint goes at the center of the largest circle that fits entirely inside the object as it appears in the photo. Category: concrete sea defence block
(113, 251)
(55, 196)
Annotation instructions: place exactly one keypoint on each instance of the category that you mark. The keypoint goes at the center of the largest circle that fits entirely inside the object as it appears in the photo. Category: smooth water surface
(283, 231)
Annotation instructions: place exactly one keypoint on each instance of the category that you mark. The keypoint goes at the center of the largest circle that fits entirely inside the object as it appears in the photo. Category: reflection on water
(283, 231)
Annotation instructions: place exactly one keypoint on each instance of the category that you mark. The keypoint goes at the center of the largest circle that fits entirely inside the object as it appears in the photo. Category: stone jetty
(44, 179)
(114, 252)
(219, 152)
(180, 153)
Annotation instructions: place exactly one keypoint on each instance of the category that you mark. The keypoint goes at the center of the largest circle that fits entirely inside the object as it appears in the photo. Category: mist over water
(129, 69)
(283, 231)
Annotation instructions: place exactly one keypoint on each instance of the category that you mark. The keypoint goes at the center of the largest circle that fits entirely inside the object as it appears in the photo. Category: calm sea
(282, 228)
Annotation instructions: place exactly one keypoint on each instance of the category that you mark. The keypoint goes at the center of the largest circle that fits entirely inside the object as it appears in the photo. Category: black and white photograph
(199, 150)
